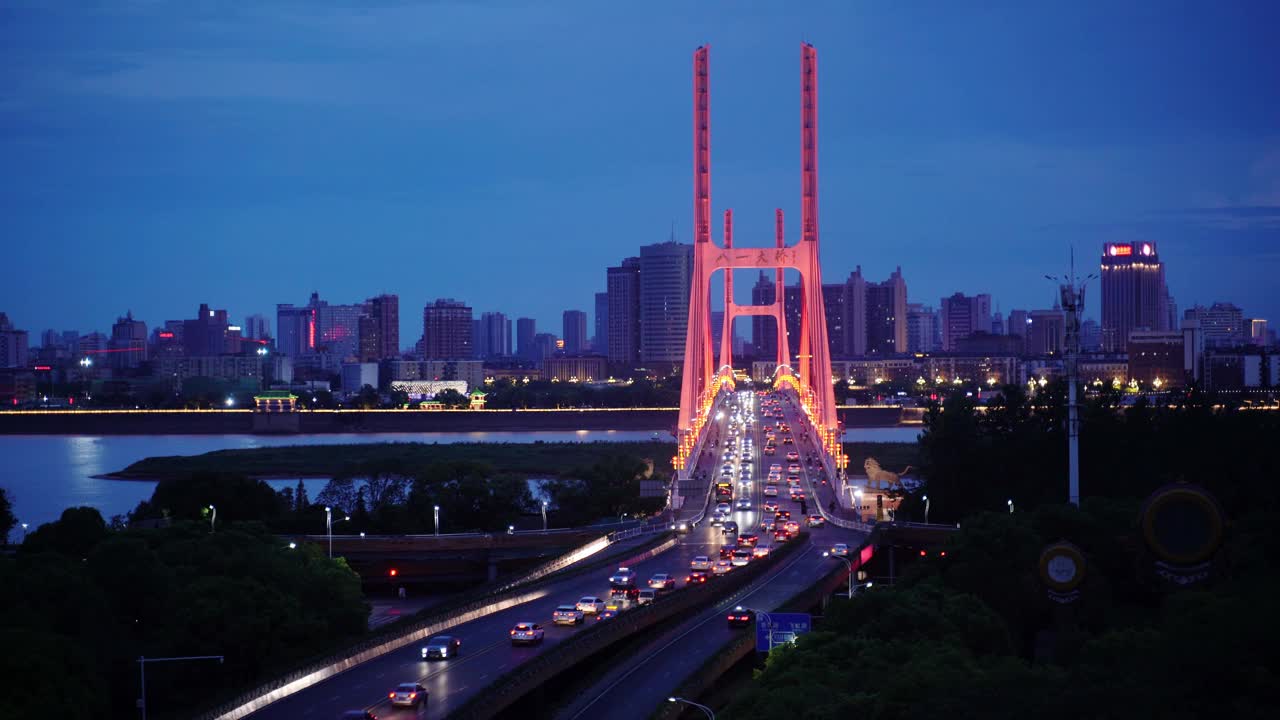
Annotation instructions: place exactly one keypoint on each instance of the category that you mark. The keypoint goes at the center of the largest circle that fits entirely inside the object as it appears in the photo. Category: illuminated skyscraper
(666, 276)
(446, 331)
(1134, 295)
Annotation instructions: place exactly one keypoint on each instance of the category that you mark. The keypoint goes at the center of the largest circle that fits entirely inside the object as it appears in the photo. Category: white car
(721, 567)
(771, 491)
(723, 509)
(840, 549)
(591, 605)
(701, 562)
(527, 633)
(744, 504)
(567, 615)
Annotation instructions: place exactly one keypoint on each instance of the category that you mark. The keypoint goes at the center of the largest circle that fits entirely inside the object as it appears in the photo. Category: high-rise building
(764, 330)
(623, 287)
(600, 341)
(997, 324)
(13, 344)
(295, 330)
(920, 328)
(1134, 294)
(575, 331)
(493, 336)
(92, 344)
(1090, 336)
(963, 316)
(666, 277)
(209, 334)
(1046, 332)
(1222, 323)
(256, 327)
(835, 301)
(887, 315)
(446, 331)
(543, 347)
(855, 315)
(526, 330)
(1258, 331)
(385, 312)
(128, 343)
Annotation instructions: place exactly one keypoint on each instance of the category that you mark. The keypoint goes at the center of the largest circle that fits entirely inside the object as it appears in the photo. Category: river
(45, 474)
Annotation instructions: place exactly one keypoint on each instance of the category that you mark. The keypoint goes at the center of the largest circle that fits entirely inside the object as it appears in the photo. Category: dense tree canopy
(83, 602)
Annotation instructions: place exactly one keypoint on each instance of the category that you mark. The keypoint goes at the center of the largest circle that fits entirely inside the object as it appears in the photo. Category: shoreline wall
(225, 422)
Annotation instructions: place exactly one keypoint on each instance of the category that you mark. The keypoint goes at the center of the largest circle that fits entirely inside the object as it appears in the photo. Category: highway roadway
(634, 689)
(486, 651)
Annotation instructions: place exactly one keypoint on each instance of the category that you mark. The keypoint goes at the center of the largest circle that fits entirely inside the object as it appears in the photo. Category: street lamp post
(849, 564)
(213, 517)
(142, 667)
(435, 519)
(926, 509)
(1010, 503)
(544, 516)
(24, 532)
(703, 708)
(328, 526)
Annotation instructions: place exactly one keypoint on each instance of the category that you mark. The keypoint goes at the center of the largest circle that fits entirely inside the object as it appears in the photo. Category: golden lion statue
(880, 478)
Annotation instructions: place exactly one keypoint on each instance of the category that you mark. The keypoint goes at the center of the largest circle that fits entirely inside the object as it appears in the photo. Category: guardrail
(510, 687)
(489, 600)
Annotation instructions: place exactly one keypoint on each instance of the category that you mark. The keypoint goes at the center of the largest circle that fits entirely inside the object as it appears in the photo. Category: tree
(74, 534)
(339, 492)
(452, 398)
(7, 519)
(300, 498)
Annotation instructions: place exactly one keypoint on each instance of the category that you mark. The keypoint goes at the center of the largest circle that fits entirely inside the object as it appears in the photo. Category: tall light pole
(850, 566)
(328, 526)
(1010, 503)
(926, 509)
(703, 708)
(1071, 292)
(24, 532)
(213, 517)
(142, 667)
(544, 516)
(435, 523)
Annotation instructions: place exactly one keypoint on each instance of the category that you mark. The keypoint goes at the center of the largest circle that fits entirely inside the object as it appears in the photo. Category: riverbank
(538, 459)
(231, 422)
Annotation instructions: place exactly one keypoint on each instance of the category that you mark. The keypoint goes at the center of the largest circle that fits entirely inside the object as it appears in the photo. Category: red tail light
(413, 695)
(392, 696)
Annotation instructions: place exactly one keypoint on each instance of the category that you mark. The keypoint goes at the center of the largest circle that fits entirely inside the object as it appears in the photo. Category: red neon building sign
(1119, 250)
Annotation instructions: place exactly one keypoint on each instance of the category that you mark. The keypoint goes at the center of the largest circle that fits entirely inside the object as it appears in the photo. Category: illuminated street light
(849, 564)
(293, 545)
(86, 362)
(1010, 502)
(436, 519)
(231, 402)
(544, 516)
(926, 509)
(703, 708)
(213, 517)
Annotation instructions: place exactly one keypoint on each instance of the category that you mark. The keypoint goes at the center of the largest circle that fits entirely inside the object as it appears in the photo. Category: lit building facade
(446, 331)
(887, 316)
(666, 278)
(1134, 295)
(575, 331)
(963, 316)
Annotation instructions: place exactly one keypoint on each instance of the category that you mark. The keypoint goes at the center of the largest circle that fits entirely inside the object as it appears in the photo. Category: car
(441, 646)
(647, 596)
(793, 481)
(700, 562)
(775, 468)
(662, 581)
(590, 605)
(527, 633)
(358, 715)
(771, 491)
(408, 695)
(792, 527)
(793, 468)
(816, 521)
(727, 550)
(740, 617)
(744, 504)
(798, 494)
(840, 549)
(741, 557)
(721, 567)
(781, 535)
(760, 551)
(624, 577)
(782, 515)
(624, 593)
(728, 527)
(723, 508)
(768, 524)
(769, 506)
(696, 577)
(567, 615)
(793, 456)
(608, 614)
(748, 539)
(768, 450)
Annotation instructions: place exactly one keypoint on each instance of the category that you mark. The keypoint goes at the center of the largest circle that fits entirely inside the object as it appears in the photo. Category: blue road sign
(777, 628)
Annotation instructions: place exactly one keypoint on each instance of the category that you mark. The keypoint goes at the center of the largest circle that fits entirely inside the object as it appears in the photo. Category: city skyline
(125, 149)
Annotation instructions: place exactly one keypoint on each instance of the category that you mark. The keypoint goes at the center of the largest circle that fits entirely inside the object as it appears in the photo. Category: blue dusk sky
(157, 155)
